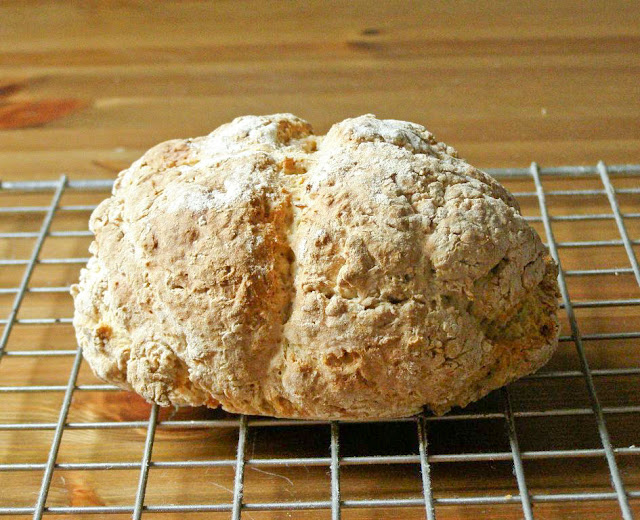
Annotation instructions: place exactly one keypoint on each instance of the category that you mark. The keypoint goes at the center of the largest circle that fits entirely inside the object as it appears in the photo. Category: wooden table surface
(86, 87)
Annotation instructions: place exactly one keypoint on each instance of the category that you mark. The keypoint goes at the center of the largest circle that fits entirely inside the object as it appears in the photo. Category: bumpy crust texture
(362, 274)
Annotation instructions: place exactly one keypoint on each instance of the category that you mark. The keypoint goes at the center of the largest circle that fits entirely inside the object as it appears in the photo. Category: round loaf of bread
(361, 274)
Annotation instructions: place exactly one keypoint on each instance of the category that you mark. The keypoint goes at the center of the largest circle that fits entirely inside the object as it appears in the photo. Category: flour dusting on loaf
(361, 274)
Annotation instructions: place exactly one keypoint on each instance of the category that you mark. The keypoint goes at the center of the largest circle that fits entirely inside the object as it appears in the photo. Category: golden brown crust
(363, 274)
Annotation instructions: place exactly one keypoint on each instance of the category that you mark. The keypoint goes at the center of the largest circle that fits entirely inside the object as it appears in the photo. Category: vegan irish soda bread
(362, 274)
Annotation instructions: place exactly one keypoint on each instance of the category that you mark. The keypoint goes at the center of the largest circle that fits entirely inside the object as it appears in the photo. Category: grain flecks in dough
(362, 274)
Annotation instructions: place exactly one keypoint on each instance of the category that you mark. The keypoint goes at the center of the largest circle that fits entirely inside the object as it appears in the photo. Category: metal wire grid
(619, 493)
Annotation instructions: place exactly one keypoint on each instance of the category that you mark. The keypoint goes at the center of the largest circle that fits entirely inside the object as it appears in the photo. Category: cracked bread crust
(362, 274)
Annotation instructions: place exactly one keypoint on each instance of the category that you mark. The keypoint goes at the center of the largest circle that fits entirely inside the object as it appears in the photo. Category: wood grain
(506, 85)
(86, 87)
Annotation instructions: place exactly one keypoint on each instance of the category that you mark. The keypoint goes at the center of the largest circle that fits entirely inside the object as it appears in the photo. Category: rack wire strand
(335, 472)
(57, 438)
(146, 462)
(614, 471)
(31, 263)
(518, 466)
(238, 484)
(425, 469)
(611, 195)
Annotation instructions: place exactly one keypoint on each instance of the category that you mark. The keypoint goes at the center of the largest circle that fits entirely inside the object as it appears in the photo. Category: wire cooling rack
(566, 436)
